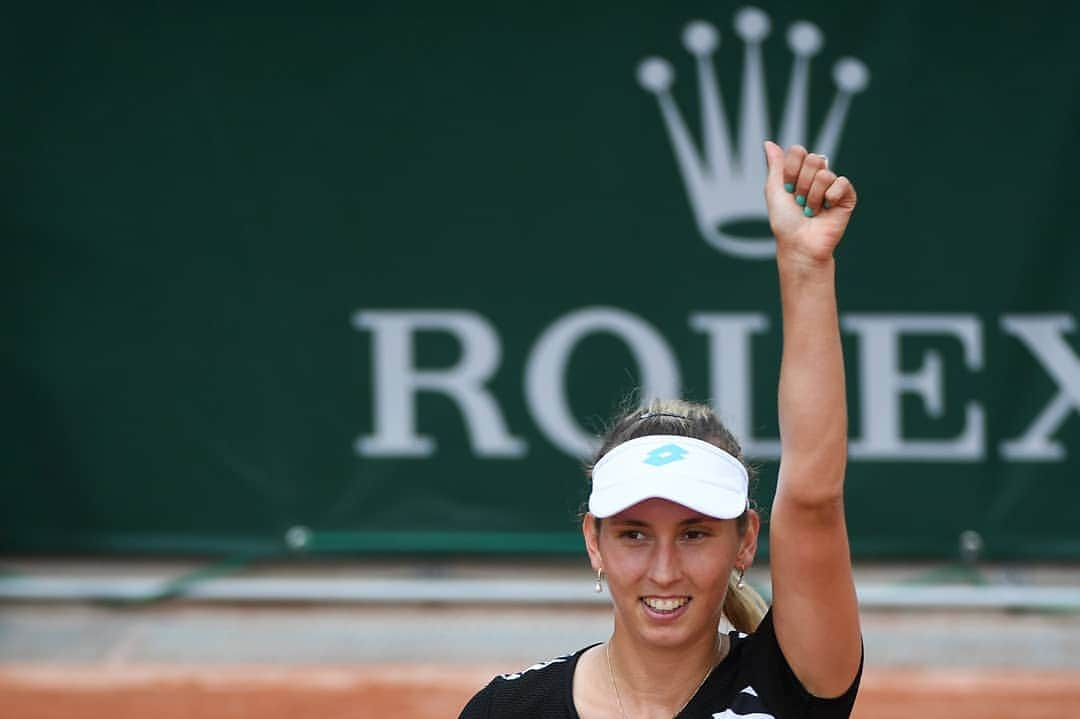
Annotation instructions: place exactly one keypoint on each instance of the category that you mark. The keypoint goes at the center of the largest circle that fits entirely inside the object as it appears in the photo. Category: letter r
(396, 381)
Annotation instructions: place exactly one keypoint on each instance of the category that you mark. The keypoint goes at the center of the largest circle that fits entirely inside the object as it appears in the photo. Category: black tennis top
(754, 680)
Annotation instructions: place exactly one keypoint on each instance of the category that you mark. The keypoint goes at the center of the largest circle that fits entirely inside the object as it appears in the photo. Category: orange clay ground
(436, 692)
(182, 657)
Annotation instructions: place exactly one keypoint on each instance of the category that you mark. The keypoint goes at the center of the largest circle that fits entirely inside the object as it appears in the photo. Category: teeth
(665, 605)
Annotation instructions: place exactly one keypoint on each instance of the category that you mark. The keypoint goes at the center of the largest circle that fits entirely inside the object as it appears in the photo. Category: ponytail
(743, 606)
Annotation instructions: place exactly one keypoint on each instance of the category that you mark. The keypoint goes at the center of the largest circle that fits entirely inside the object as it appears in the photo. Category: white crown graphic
(725, 187)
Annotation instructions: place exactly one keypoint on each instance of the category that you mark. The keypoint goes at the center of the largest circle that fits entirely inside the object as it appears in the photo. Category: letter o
(545, 370)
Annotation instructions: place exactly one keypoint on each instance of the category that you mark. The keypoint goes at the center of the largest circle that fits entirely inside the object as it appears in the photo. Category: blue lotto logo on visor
(665, 455)
(684, 470)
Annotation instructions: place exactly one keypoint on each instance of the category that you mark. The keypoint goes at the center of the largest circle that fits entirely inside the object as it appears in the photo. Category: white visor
(686, 471)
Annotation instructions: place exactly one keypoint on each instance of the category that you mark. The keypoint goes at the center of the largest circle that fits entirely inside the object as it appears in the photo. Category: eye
(634, 535)
(695, 534)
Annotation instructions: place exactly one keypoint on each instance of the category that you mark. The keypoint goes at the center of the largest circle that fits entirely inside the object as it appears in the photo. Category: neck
(659, 680)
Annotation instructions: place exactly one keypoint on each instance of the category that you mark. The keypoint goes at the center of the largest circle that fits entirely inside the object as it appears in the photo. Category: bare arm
(814, 606)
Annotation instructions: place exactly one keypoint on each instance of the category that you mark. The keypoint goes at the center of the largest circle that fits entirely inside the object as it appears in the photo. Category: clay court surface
(430, 692)
(182, 658)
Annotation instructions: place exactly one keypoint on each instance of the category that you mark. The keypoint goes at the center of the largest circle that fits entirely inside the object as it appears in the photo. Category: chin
(672, 638)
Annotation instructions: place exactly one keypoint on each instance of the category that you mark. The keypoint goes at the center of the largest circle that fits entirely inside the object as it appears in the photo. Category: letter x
(1043, 336)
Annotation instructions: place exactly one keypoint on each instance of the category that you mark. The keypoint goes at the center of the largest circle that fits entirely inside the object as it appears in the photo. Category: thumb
(774, 158)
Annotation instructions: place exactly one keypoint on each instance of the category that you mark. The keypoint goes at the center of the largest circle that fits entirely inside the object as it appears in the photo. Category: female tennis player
(672, 528)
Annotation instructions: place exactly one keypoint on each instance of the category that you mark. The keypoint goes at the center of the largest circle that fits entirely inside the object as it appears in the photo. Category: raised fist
(809, 206)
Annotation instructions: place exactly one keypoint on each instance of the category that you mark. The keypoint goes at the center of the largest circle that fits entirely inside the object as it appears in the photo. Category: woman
(670, 521)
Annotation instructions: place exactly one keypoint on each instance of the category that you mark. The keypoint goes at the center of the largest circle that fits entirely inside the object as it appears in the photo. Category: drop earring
(740, 583)
(599, 579)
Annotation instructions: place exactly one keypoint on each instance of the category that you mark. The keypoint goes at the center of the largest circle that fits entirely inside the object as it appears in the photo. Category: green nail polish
(790, 187)
(800, 199)
(827, 205)
(808, 212)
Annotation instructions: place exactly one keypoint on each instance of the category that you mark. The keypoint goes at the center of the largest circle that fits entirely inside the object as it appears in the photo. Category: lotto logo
(665, 455)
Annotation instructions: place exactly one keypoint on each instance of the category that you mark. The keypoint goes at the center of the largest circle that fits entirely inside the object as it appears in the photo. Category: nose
(665, 568)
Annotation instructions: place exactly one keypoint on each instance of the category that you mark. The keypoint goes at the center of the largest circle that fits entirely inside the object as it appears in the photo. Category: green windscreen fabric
(369, 277)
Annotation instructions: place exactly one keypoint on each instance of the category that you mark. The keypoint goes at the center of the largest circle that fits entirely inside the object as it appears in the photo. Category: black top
(753, 679)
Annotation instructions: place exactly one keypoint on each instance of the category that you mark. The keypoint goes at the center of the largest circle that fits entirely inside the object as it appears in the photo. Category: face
(667, 568)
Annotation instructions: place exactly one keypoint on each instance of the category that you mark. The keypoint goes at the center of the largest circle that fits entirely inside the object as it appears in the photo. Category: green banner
(370, 277)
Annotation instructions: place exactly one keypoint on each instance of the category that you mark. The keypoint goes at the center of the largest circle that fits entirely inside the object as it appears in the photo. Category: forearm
(812, 402)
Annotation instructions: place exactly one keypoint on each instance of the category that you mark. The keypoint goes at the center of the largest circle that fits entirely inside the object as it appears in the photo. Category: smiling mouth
(665, 605)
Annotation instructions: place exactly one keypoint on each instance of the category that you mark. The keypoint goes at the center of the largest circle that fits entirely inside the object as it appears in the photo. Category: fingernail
(827, 205)
(800, 199)
(789, 186)
(808, 212)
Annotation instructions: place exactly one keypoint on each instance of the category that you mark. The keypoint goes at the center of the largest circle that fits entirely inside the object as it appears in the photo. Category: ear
(592, 540)
(748, 543)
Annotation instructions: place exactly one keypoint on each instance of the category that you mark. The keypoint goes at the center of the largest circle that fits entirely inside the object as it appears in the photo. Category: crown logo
(724, 186)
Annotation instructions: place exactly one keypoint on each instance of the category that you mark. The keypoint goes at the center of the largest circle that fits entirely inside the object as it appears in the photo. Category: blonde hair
(743, 606)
